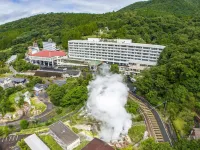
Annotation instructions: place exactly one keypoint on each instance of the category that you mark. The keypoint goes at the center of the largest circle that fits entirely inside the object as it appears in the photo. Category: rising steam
(107, 97)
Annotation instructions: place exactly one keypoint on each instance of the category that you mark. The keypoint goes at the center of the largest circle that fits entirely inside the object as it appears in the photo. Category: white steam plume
(107, 97)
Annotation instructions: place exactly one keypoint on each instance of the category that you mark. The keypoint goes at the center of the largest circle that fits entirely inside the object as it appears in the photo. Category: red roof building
(49, 54)
(97, 144)
(46, 58)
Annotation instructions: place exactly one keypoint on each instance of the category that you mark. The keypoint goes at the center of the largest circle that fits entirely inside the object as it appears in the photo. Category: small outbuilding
(18, 80)
(35, 143)
(65, 137)
(39, 88)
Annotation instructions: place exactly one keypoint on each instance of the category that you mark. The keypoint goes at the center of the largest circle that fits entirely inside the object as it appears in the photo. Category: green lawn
(23, 145)
(47, 139)
(50, 142)
(38, 105)
(136, 133)
(5, 75)
(33, 130)
(83, 144)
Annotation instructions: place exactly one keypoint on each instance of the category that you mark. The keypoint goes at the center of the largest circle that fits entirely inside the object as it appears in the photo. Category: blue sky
(15, 9)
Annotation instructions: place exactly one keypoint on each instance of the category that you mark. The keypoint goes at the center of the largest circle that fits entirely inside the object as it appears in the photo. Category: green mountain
(59, 26)
(177, 7)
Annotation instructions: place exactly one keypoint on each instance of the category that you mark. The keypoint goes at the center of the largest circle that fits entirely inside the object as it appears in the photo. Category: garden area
(33, 130)
(37, 107)
(50, 142)
(21, 102)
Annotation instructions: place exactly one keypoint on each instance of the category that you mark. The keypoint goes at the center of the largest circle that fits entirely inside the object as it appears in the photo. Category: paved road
(13, 70)
(41, 116)
(154, 121)
(155, 114)
(10, 141)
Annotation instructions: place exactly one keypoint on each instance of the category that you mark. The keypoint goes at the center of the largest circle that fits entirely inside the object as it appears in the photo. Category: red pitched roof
(46, 53)
(97, 144)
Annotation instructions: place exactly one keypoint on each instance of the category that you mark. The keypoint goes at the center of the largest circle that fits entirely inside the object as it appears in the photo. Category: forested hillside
(173, 23)
(177, 7)
(42, 27)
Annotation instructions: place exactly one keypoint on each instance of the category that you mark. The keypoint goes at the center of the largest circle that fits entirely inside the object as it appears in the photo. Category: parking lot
(10, 141)
(10, 138)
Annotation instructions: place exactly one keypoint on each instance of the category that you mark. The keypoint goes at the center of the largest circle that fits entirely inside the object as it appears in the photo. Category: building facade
(33, 49)
(46, 58)
(132, 57)
(50, 45)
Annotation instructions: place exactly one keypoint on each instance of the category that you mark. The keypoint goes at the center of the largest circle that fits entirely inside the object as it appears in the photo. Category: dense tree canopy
(22, 65)
(178, 7)
(183, 144)
(150, 144)
(73, 93)
(5, 104)
(56, 93)
(187, 145)
(176, 81)
(24, 124)
(33, 80)
(132, 107)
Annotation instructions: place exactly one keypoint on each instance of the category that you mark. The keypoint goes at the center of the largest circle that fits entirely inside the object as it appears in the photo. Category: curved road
(155, 125)
(42, 115)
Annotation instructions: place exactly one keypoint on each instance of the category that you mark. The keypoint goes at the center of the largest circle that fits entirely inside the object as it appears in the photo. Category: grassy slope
(50, 142)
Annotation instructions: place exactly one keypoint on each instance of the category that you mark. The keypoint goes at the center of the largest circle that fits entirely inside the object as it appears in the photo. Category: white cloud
(15, 9)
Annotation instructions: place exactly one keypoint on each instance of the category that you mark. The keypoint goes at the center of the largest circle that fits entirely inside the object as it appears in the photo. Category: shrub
(24, 124)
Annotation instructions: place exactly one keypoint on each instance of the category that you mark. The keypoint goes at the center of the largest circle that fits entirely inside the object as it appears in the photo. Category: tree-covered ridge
(41, 27)
(176, 7)
(147, 27)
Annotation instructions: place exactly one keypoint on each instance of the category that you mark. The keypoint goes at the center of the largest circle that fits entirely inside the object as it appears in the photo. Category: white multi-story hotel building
(132, 57)
(50, 45)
